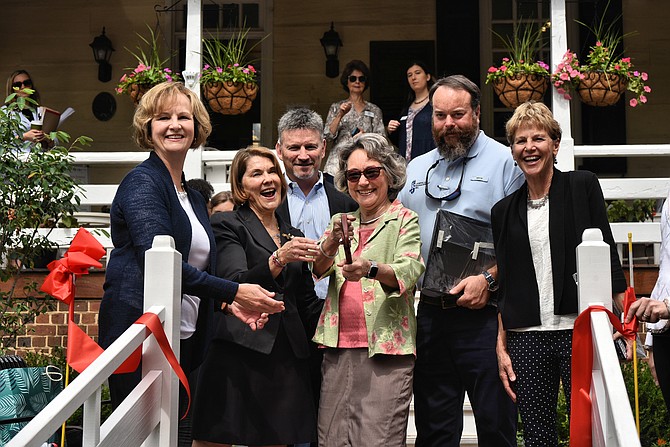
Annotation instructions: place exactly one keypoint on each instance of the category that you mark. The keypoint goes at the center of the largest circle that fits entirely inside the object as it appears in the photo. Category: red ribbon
(85, 252)
(582, 367)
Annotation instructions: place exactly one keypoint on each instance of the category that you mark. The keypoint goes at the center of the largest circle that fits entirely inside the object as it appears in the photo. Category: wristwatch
(373, 270)
(493, 284)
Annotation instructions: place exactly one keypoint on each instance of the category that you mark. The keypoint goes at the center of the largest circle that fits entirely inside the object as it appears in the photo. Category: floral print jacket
(389, 313)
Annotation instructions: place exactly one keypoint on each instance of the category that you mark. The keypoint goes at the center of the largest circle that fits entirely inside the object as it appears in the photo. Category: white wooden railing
(612, 418)
(149, 415)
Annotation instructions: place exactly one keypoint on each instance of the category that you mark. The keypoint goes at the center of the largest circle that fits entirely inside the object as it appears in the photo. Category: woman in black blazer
(254, 387)
(536, 231)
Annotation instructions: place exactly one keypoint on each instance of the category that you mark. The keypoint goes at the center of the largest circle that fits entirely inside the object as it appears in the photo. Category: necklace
(374, 219)
(536, 204)
(367, 222)
(421, 100)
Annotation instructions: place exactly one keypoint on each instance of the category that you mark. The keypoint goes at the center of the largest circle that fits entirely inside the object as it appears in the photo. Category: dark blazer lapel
(256, 228)
(522, 205)
(283, 211)
(334, 202)
(559, 197)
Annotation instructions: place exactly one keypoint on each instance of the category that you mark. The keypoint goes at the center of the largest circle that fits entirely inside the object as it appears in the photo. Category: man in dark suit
(311, 199)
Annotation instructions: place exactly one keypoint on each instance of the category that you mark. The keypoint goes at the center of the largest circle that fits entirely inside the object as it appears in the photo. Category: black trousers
(662, 362)
(456, 354)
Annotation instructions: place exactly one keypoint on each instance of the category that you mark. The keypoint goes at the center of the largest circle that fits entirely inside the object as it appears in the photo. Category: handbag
(24, 392)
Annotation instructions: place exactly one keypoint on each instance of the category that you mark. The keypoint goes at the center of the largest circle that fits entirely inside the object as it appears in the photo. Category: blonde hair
(155, 100)
(239, 167)
(533, 114)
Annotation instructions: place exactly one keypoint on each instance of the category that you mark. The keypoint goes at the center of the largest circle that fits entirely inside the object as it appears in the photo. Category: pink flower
(219, 70)
(503, 68)
(236, 65)
(167, 70)
(405, 323)
(647, 89)
(245, 70)
(398, 338)
(561, 91)
(119, 90)
(558, 83)
(251, 67)
(599, 44)
(168, 78)
(636, 73)
(206, 67)
(643, 99)
(492, 69)
(140, 68)
(123, 78)
(633, 102)
(625, 60)
(565, 76)
(644, 76)
(505, 59)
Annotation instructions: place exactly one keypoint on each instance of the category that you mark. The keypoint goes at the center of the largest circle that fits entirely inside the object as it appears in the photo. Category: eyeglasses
(353, 78)
(18, 84)
(354, 175)
(451, 196)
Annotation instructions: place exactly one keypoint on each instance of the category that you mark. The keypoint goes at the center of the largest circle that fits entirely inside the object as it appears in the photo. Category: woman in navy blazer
(153, 200)
(266, 399)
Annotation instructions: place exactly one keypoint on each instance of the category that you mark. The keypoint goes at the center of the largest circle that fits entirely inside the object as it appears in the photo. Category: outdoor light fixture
(102, 51)
(331, 44)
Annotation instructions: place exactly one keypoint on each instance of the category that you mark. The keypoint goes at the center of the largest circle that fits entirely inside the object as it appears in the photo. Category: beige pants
(364, 401)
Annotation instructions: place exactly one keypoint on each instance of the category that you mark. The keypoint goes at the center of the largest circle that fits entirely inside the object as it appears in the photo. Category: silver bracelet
(323, 251)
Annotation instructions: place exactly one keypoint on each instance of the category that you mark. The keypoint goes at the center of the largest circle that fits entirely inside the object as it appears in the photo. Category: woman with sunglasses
(415, 127)
(353, 115)
(17, 82)
(367, 324)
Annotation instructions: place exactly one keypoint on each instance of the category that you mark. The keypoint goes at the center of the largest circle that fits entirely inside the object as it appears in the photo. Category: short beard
(460, 149)
(309, 175)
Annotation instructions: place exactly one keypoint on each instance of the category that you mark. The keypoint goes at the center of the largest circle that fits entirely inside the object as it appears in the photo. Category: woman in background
(221, 201)
(415, 128)
(16, 83)
(353, 115)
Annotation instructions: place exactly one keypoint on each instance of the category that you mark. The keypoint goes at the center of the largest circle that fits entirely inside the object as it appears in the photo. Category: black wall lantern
(331, 44)
(102, 51)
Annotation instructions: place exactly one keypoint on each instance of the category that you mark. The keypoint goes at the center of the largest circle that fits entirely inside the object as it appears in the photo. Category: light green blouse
(389, 313)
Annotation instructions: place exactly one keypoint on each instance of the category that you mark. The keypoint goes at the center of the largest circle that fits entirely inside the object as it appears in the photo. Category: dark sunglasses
(18, 84)
(451, 196)
(354, 175)
(353, 78)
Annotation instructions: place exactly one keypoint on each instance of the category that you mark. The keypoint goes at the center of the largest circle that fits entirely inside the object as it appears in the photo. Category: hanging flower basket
(230, 98)
(601, 89)
(519, 88)
(137, 90)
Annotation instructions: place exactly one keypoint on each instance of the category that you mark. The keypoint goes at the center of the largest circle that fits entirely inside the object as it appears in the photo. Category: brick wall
(50, 329)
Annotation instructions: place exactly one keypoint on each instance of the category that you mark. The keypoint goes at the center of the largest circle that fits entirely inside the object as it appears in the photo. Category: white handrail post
(162, 286)
(594, 271)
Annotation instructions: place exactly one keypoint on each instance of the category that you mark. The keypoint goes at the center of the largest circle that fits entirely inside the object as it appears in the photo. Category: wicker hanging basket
(230, 98)
(137, 90)
(601, 89)
(517, 89)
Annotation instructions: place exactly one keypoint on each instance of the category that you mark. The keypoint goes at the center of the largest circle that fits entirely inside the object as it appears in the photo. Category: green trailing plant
(35, 193)
(523, 47)
(606, 57)
(151, 69)
(638, 210)
(229, 61)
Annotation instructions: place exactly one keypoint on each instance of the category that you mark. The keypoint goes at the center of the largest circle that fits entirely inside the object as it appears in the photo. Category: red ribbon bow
(582, 367)
(85, 251)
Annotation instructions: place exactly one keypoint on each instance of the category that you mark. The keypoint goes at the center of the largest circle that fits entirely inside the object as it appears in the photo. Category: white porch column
(559, 45)
(193, 167)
